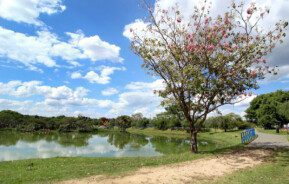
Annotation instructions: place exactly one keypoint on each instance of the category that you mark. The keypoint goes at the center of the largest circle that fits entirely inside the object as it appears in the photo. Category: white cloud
(60, 100)
(28, 11)
(139, 98)
(155, 85)
(31, 88)
(76, 75)
(45, 47)
(246, 101)
(95, 48)
(133, 101)
(109, 92)
(35, 98)
(102, 78)
(137, 26)
(238, 108)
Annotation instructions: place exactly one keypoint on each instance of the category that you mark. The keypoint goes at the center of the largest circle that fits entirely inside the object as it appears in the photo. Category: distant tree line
(172, 118)
(14, 120)
(269, 110)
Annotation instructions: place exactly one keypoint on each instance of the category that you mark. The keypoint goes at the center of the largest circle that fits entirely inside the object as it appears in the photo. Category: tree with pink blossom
(206, 62)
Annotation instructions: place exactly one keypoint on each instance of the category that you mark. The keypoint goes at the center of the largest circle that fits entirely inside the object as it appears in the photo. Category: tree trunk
(277, 129)
(194, 143)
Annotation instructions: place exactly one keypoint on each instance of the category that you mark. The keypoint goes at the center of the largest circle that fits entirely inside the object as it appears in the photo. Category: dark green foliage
(123, 122)
(283, 110)
(142, 123)
(160, 123)
(10, 119)
(172, 118)
(228, 122)
(14, 120)
(139, 121)
(269, 110)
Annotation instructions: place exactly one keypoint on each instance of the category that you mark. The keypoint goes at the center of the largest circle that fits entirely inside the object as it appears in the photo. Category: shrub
(123, 122)
(160, 123)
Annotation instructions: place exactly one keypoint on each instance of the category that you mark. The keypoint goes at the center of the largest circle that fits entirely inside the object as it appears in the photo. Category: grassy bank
(273, 131)
(55, 169)
(275, 171)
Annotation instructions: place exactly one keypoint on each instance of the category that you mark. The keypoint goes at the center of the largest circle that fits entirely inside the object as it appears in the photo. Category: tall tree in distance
(205, 61)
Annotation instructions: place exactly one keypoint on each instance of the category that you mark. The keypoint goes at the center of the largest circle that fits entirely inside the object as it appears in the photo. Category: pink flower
(226, 45)
(211, 47)
(253, 74)
(191, 47)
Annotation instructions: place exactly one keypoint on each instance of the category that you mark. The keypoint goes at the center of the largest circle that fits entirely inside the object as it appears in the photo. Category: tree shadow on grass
(223, 149)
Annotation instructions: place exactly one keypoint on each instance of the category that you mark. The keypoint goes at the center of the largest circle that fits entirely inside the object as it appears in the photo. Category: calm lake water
(17, 146)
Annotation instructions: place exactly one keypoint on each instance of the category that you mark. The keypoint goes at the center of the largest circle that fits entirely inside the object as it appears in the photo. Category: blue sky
(72, 57)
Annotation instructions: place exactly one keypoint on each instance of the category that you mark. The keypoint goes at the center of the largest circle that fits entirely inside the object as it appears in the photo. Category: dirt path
(270, 141)
(188, 172)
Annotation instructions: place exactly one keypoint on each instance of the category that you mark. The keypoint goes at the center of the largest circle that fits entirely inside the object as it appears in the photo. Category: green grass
(56, 169)
(155, 132)
(272, 131)
(275, 171)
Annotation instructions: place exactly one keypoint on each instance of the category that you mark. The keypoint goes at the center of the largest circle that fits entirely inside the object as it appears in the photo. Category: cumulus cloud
(136, 101)
(102, 78)
(45, 47)
(140, 97)
(155, 85)
(137, 26)
(95, 48)
(53, 100)
(109, 92)
(27, 89)
(62, 100)
(278, 10)
(28, 11)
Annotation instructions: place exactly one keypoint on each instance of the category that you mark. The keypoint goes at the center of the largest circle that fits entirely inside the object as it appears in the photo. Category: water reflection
(15, 145)
(9, 138)
(166, 145)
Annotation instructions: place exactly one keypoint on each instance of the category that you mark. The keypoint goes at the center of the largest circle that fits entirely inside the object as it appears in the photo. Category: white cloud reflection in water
(96, 147)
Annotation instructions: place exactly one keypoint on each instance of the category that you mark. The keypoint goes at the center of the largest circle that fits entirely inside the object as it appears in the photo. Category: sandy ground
(197, 171)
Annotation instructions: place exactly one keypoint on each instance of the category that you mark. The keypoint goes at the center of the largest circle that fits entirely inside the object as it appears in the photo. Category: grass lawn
(273, 131)
(56, 169)
(276, 171)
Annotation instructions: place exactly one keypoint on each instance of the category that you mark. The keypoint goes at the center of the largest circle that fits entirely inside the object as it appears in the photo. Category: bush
(173, 123)
(142, 123)
(242, 125)
(160, 123)
(123, 122)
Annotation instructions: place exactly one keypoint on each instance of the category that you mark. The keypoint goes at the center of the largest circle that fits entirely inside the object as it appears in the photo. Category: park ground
(226, 162)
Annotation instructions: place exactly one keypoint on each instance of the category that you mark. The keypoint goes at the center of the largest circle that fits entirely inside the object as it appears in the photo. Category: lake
(18, 146)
